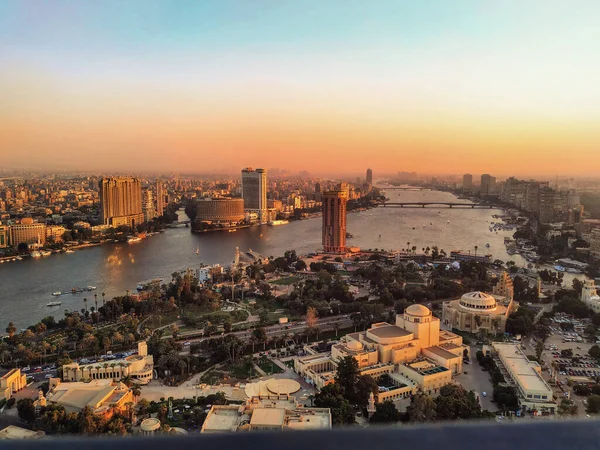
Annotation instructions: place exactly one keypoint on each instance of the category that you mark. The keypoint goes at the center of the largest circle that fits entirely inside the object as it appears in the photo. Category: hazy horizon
(507, 88)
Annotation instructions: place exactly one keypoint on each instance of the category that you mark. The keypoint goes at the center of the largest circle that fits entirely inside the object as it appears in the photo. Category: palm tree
(85, 301)
(476, 251)
(103, 294)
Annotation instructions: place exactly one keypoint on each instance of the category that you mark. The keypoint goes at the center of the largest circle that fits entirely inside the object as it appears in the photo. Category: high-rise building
(317, 188)
(547, 196)
(121, 201)
(467, 182)
(369, 176)
(254, 192)
(334, 221)
(160, 198)
(488, 184)
(148, 205)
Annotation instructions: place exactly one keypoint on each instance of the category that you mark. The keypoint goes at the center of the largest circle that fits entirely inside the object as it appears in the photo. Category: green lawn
(285, 281)
(269, 367)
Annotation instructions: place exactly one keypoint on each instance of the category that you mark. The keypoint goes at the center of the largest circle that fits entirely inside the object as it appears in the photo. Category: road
(324, 324)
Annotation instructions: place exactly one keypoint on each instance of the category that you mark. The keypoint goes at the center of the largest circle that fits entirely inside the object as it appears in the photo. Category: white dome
(354, 345)
(478, 300)
(418, 311)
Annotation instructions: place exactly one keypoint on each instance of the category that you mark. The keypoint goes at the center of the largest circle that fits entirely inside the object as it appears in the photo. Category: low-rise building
(534, 393)
(414, 354)
(15, 433)
(11, 382)
(138, 367)
(266, 413)
(590, 296)
(477, 311)
(104, 397)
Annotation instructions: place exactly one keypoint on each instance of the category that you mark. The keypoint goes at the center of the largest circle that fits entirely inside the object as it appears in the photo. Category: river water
(26, 286)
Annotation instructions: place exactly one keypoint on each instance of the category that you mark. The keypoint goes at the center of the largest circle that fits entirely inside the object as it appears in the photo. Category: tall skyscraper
(160, 198)
(148, 205)
(334, 221)
(121, 201)
(369, 176)
(488, 184)
(467, 182)
(254, 192)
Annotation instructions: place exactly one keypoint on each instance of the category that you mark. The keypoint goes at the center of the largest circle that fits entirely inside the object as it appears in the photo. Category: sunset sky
(329, 86)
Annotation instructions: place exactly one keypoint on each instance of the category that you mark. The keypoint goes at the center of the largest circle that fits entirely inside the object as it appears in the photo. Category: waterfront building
(160, 198)
(467, 183)
(254, 192)
(477, 311)
(414, 354)
(220, 210)
(594, 241)
(150, 426)
(488, 185)
(148, 206)
(104, 397)
(4, 236)
(55, 233)
(11, 382)
(590, 296)
(369, 176)
(138, 367)
(121, 201)
(334, 221)
(266, 413)
(532, 390)
(28, 232)
(459, 255)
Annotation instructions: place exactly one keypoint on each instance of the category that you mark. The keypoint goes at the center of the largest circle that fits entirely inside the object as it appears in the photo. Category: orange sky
(482, 91)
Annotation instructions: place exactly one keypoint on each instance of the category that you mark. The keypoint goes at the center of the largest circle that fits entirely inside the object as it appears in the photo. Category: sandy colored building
(589, 295)
(139, 367)
(525, 375)
(15, 433)
(104, 397)
(477, 311)
(414, 354)
(266, 413)
(121, 201)
(12, 382)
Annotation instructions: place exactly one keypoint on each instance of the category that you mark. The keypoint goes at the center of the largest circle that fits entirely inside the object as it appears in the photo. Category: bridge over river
(435, 205)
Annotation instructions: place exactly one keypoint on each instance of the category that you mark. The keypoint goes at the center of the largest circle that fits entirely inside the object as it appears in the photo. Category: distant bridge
(435, 204)
(409, 188)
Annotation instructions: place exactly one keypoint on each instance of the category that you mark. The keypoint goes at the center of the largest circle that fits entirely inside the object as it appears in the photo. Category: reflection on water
(26, 286)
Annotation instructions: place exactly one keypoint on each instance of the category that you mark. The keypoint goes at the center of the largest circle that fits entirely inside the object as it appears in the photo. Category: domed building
(414, 354)
(476, 311)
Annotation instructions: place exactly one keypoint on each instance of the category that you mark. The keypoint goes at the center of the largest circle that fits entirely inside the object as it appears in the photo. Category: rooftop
(519, 366)
(389, 331)
(222, 418)
(268, 417)
(12, 432)
(439, 351)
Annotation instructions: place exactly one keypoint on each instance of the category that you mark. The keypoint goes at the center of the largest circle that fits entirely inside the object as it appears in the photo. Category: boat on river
(54, 304)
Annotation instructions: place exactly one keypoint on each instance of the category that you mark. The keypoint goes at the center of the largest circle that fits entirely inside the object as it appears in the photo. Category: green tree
(11, 329)
(455, 402)
(594, 351)
(26, 410)
(539, 349)
(593, 406)
(422, 408)
(385, 412)
(332, 396)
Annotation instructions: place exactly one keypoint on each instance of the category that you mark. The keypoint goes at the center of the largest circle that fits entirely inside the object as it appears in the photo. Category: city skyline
(429, 88)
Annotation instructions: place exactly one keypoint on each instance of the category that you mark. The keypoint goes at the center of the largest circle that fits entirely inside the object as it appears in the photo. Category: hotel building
(254, 192)
(121, 201)
(334, 221)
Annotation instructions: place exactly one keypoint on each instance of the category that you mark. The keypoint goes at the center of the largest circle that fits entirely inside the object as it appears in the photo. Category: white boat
(46, 253)
(274, 223)
(91, 288)
(54, 304)
(197, 250)
(69, 251)
(134, 239)
(36, 254)
(57, 293)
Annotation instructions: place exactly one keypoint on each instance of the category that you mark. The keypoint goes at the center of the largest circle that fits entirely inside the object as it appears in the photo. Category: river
(26, 286)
